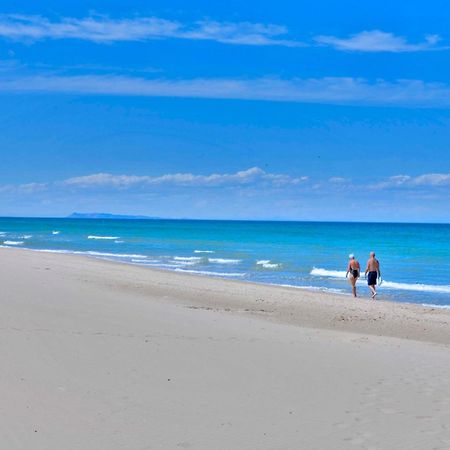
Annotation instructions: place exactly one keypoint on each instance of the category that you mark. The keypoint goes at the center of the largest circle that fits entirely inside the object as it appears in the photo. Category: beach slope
(100, 355)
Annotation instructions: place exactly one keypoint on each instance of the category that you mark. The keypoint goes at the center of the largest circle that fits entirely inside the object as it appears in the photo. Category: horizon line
(224, 220)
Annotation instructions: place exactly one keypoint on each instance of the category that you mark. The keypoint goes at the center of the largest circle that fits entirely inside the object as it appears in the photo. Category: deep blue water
(415, 258)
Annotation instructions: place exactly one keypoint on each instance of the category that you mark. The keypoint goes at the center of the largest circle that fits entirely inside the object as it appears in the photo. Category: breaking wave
(418, 287)
(224, 261)
(267, 264)
(214, 274)
(13, 242)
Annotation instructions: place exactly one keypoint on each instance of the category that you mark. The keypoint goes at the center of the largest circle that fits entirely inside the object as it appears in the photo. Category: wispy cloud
(28, 188)
(378, 41)
(330, 90)
(102, 29)
(338, 180)
(407, 181)
(251, 176)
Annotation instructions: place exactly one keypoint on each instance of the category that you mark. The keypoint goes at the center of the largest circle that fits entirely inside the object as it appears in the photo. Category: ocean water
(415, 258)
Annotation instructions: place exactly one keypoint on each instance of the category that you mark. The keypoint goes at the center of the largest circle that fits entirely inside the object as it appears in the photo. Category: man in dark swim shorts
(373, 273)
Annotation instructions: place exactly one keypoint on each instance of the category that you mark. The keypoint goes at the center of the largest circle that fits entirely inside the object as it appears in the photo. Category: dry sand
(98, 355)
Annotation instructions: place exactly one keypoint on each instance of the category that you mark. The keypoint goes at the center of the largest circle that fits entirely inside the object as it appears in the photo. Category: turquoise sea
(415, 258)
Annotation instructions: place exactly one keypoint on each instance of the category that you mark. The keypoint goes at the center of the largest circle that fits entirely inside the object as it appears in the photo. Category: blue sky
(243, 110)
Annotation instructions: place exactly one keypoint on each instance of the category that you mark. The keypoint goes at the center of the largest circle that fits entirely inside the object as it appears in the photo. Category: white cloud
(338, 180)
(249, 182)
(105, 179)
(104, 29)
(432, 179)
(245, 33)
(31, 188)
(331, 90)
(407, 181)
(28, 188)
(251, 176)
(378, 41)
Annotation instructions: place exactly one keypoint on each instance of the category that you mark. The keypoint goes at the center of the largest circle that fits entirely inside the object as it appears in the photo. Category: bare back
(373, 265)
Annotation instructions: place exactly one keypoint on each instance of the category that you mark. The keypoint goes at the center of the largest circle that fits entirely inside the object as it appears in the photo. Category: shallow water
(415, 258)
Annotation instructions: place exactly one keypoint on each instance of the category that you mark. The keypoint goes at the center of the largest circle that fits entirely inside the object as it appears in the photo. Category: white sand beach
(98, 355)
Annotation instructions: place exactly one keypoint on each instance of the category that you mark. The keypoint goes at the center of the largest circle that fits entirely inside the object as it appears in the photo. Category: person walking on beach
(373, 273)
(353, 272)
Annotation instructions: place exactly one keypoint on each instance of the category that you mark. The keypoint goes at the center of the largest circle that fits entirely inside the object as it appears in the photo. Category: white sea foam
(431, 305)
(327, 273)
(93, 253)
(46, 250)
(224, 261)
(112, 255)
(25, 236)
(184, 263)
(204, 251)
(119, 242)
(311, 288)
(108, 238)
(56, 232)
(197, 259)
(13, 242)
(271, 266)
(187, 258)
(267, 264)
(445, 289)
(215, 274)
(156, 265)
(146, 261)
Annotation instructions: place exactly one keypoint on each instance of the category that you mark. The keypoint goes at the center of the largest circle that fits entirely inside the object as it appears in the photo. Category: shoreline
(283, 304)
(229, 277)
